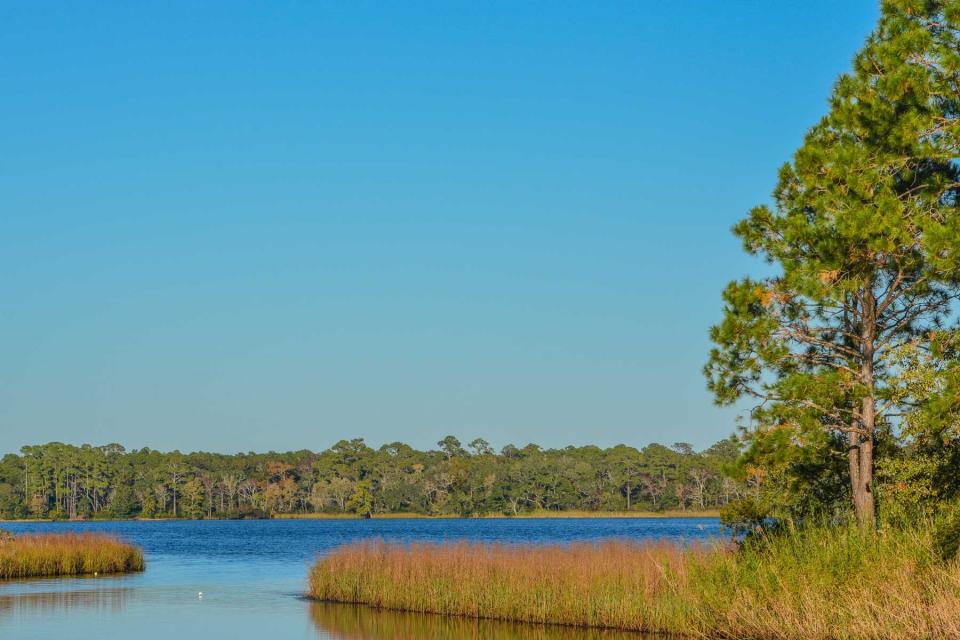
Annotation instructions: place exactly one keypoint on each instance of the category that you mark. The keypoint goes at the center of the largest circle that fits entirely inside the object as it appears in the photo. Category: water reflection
(348, 622)
(110, 600)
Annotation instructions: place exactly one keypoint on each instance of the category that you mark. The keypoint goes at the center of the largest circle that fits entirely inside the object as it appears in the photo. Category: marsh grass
(820, 583)
(66, 554)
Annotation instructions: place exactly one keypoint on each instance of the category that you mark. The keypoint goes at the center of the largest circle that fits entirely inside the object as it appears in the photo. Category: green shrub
(946, 535)
(744, 516)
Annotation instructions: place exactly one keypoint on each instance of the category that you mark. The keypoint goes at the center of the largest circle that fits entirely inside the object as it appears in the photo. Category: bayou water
(244, 580)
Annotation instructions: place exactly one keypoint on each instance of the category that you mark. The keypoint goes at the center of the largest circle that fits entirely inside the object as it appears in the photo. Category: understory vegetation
(814, 583)
(67, 554)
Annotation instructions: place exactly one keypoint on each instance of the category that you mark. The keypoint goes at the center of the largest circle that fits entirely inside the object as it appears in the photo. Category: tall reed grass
(66, 554)
(816, 584)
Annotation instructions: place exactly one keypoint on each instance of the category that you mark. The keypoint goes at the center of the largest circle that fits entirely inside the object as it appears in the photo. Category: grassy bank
(67, 554)
(527, 515)
(819, 584)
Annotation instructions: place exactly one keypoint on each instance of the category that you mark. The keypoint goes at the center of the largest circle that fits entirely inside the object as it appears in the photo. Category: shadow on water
(352, 622)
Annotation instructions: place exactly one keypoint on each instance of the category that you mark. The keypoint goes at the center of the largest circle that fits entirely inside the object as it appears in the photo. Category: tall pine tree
(864, 239)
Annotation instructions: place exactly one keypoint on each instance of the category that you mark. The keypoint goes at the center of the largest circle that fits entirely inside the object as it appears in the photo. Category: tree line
(58, 480)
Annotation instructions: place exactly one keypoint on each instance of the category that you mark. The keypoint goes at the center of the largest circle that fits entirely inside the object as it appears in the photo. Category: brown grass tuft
(66, 554)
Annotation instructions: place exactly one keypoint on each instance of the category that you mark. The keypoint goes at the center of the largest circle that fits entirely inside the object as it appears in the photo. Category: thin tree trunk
(863, 492)
(853, 459)
(862, 481)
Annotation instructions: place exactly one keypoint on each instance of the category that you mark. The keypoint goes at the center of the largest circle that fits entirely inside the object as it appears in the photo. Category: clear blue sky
(254, 226)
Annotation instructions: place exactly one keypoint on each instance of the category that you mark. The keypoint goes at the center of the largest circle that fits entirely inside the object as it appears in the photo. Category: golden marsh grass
(823, 584)
(67, 554)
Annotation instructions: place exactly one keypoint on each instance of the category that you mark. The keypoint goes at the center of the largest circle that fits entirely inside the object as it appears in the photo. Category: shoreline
(535, 515)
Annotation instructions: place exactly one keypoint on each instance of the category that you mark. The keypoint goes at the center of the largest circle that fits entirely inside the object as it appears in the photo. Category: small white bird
(200, 595)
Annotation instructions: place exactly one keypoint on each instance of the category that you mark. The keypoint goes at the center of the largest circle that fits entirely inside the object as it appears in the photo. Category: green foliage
(946, 538)
(123, 502)
(351, 477)
(10, 504)
(744, 516)
(923, 473)
(361, 502)
(862, 238)
(192, 498)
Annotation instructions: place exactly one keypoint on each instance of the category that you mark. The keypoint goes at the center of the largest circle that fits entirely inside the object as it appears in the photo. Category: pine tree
(864, 238)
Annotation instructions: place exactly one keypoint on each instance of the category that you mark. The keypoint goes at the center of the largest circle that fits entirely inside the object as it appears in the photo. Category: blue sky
(255, 226)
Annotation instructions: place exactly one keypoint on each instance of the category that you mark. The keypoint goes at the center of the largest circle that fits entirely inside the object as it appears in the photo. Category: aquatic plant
(67, 554)
(820, 583)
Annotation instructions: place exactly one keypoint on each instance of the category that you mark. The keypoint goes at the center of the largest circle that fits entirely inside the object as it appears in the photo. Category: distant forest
(63, 481)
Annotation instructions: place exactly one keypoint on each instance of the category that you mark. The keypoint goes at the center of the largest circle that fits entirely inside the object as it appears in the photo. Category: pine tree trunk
(853, 459)
(862, 479)
(863, 489)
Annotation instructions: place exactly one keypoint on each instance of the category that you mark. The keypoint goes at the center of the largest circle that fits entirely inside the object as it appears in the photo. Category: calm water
(253, 574)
